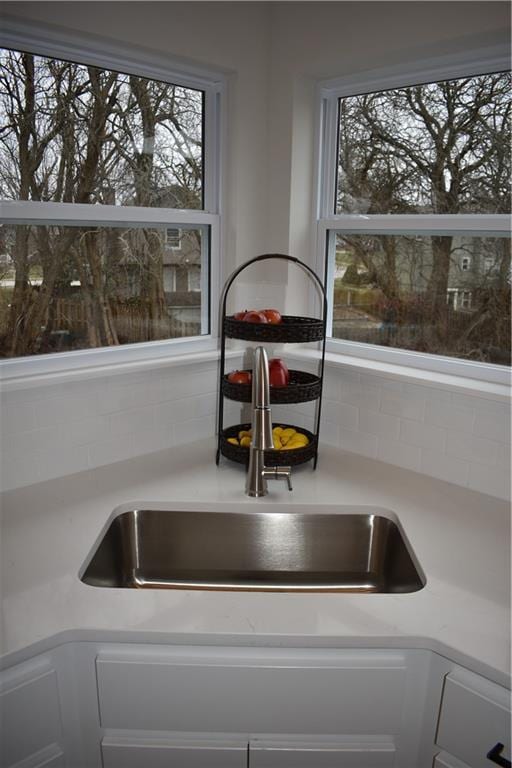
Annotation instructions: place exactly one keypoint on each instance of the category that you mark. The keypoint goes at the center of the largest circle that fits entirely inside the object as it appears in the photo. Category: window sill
(38, 371)
(420, 376)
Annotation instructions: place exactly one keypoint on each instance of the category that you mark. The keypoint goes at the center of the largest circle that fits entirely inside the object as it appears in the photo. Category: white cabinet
(474, 717)
(30, 722)
(265, 691)
(105, 705)
(153, 752)
(363, 752)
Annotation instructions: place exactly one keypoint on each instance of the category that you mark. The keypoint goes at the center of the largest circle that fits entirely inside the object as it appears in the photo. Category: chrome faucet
(257, 473)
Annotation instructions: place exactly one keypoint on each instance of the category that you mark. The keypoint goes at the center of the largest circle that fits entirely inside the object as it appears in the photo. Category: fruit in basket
(273, 316)
(279, 375)
(284, 439)
(298, 440)
(254, 316)
(239, 377)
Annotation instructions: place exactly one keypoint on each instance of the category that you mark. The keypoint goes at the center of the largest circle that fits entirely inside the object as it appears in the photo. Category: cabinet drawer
(447, 761)
(369, 752)
(286, 694)
(162, 753)
(475, 715)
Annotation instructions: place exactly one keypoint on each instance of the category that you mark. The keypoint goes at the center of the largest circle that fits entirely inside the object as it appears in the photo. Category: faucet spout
(261, 412)
(257, 472)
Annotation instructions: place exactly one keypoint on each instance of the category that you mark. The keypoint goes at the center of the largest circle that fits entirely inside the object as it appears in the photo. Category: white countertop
(461, 540)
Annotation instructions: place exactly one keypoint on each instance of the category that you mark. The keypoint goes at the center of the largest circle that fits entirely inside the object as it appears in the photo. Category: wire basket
(301, 388)
(290, 329)
(273, 458)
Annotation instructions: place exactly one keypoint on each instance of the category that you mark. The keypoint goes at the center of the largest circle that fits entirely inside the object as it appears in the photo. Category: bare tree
(77, 134)
(439, 148)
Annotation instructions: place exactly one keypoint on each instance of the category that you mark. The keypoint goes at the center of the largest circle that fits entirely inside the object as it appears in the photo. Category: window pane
(64, 288)
(435, 294)
(78, 134)
(436, 148)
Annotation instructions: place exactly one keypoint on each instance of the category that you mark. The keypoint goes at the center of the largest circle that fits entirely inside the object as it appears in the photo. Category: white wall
(274, 53)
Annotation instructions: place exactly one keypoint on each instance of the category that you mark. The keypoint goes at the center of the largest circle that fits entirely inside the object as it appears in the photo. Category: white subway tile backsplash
(360, 394)
(109, 451)
(477, 449)
(55, 430)
(151, 440)
(442, 413)
(340, 413)
(493, 424)
(131, 421)
(329, 433)
(331, 385)
(61, 461)
(83, 431)
(437, 464)
(358, 442)
(187, 408)
(407, 404)
(16, 416)
(378, 423)
(422, 435)
(15, 472)
(194, 429)
(22, 443)
(395, 452)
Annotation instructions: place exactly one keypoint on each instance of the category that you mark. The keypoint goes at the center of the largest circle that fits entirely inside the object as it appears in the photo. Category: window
(173, 238)
(413, 208)
(105, 179)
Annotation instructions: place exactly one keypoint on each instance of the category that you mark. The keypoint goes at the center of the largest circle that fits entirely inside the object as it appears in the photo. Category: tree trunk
(437, 286)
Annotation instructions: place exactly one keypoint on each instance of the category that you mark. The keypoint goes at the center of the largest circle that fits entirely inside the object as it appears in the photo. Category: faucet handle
(279, 473)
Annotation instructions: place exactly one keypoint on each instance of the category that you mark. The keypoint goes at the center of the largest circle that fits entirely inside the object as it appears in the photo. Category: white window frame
(45, 40)
(328, 223)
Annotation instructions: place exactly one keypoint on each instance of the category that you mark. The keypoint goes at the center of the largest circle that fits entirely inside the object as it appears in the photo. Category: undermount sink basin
(257, 551)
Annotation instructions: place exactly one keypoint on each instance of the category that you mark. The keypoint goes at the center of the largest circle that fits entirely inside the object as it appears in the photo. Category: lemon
(245, 441)
(245, 433)
(233, 440)
(277, 430)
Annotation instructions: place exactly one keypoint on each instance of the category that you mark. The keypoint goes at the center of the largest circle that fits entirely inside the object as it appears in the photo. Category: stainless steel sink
(257, 551)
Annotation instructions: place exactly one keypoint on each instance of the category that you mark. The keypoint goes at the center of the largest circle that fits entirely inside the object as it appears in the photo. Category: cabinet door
(361, 752)
(475, 715)
(133, 752)
(30, 724)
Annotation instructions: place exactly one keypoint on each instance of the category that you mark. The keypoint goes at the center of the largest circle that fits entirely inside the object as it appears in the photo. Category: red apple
(255, 317)
(240, 315)
(273, 316)
(239, 377)
(279, 375)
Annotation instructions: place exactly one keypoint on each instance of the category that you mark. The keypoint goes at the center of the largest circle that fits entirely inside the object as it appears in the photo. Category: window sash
(475, 62)
(45, 40)
(497, 227)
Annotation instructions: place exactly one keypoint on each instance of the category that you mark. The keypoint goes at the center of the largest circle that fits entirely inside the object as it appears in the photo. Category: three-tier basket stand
(303, 386)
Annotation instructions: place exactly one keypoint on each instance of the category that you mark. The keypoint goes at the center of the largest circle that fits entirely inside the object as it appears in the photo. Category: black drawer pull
(495, 756)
